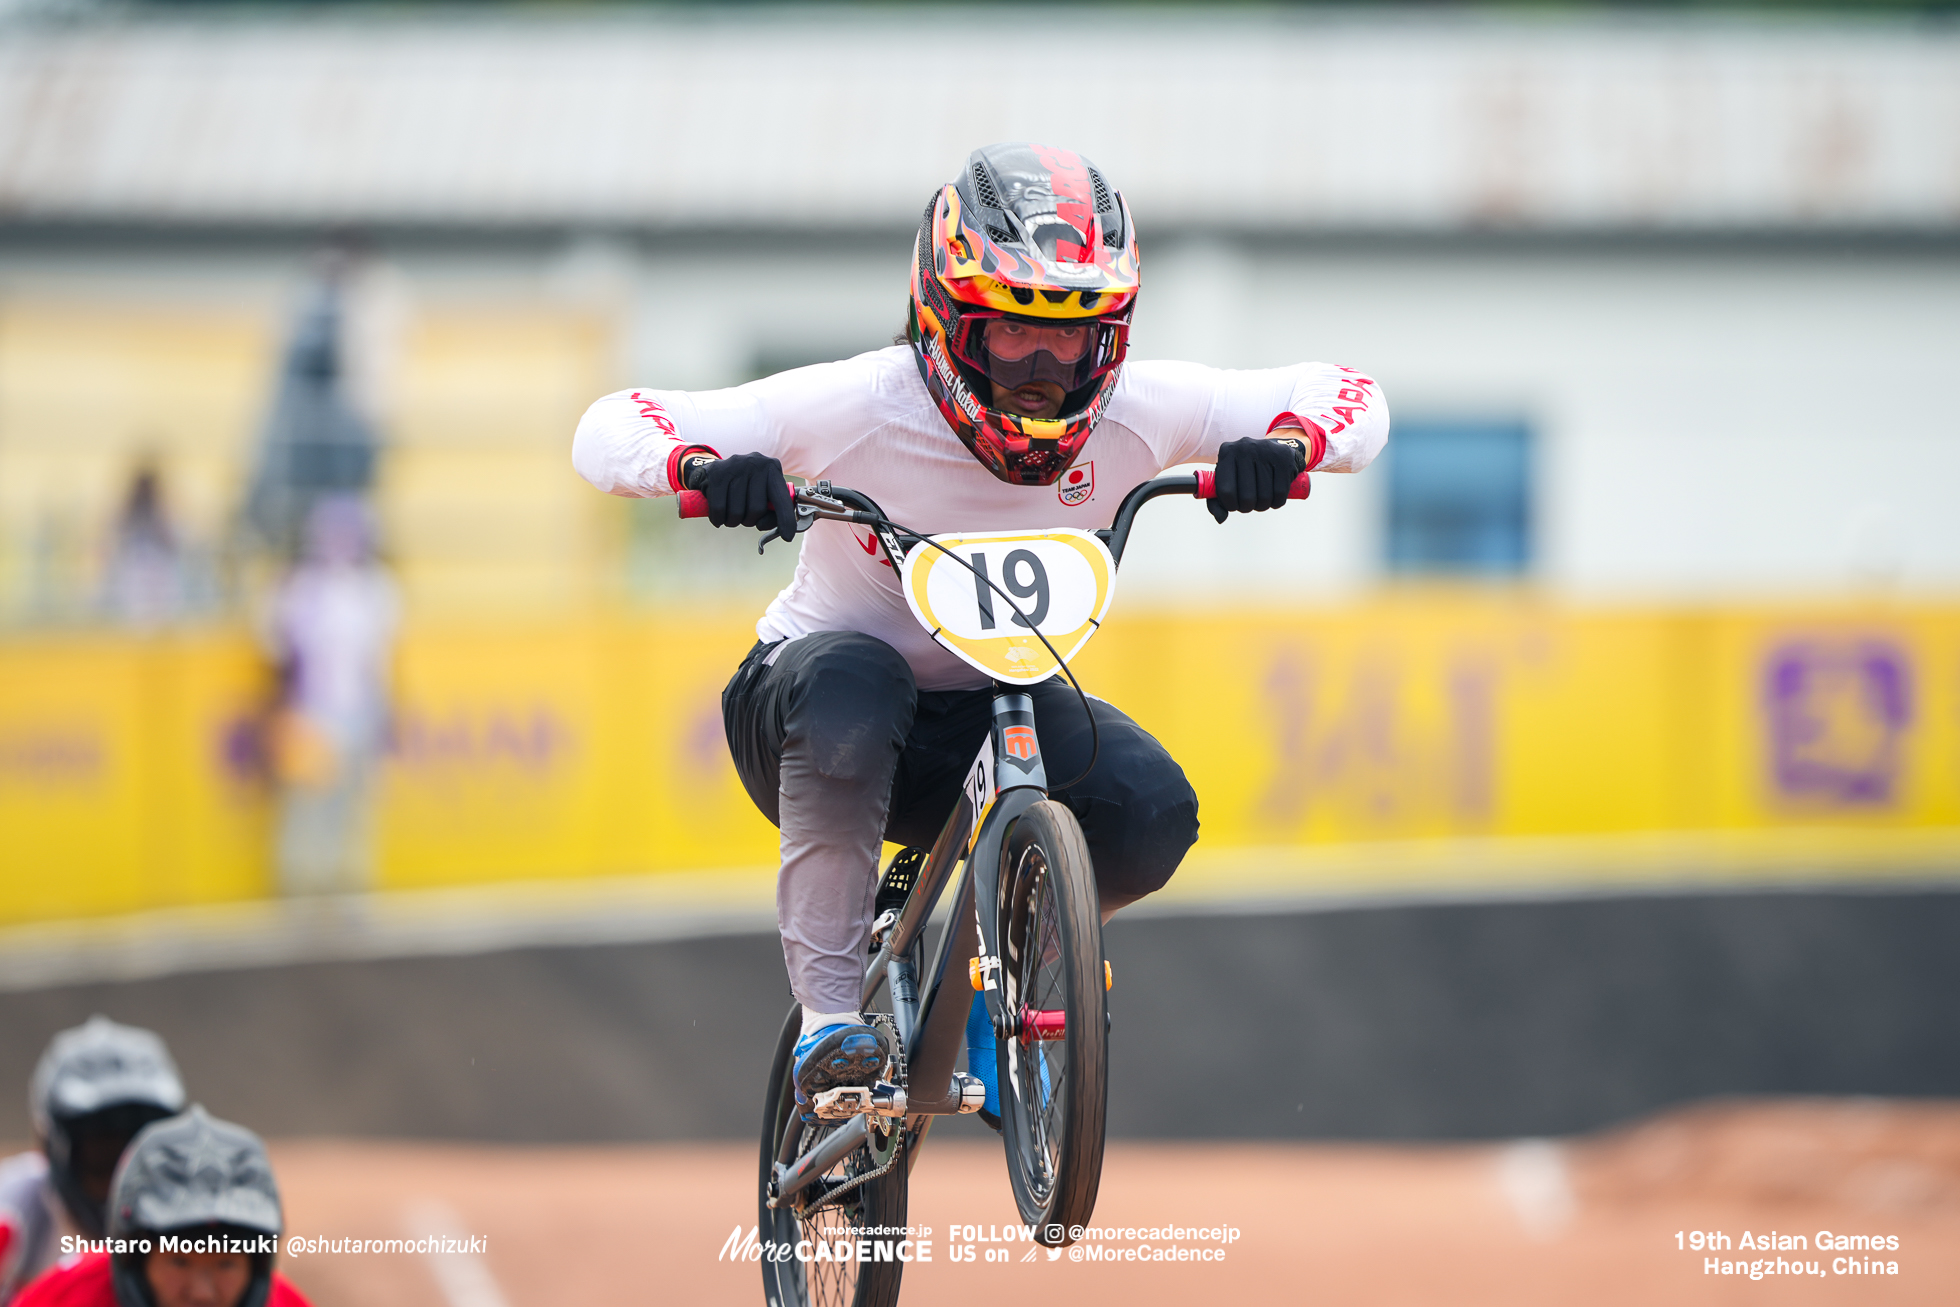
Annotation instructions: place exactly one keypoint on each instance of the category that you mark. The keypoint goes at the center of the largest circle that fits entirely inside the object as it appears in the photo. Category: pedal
(847, 1101)
(841, 1103)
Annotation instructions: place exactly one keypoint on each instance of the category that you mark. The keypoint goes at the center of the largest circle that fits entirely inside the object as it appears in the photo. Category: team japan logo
(1077, 484)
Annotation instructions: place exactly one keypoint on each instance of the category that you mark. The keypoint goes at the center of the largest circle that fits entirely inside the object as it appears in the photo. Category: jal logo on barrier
(1838, 712)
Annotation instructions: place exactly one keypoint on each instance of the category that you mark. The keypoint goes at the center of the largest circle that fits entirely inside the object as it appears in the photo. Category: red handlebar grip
(1208, 485)
(695, 504)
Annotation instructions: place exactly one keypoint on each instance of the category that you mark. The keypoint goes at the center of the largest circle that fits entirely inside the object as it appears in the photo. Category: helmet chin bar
(1040, 467)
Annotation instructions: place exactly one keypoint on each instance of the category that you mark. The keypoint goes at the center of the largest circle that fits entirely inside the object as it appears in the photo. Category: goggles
(1010, 341)
(1014, 352)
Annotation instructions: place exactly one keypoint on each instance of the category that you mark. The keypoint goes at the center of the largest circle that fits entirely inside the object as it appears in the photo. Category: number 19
(1035, 588)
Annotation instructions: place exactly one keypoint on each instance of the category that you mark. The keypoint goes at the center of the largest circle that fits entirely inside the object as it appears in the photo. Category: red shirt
(86, 1283)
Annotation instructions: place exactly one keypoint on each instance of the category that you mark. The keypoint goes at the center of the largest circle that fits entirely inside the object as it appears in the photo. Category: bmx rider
(1007, 404)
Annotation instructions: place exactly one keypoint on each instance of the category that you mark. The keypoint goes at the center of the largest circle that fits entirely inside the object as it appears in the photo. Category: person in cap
(94, 1088)
(194, 1221)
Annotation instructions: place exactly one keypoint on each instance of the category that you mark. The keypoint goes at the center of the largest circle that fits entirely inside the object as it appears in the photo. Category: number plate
(1062, 579)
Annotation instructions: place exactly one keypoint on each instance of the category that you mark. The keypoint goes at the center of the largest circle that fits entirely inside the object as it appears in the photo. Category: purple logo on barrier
(53, 756)
(1837, 715)
(533, 740)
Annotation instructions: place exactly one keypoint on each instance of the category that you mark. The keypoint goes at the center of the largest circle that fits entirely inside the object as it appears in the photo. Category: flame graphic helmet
(1032, 234)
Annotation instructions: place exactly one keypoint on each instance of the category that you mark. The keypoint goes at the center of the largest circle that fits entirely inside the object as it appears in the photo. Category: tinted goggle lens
(1012, 341)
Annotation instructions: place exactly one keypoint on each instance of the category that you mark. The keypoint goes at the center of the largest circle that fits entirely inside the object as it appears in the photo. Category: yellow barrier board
(594, 746)
(587, 748)
(126, 775)
(1459, 717)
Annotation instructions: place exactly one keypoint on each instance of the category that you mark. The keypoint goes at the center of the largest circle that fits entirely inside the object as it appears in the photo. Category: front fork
(1019, 781)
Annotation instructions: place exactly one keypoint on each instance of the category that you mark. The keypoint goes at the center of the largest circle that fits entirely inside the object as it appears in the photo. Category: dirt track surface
(1592, 1220)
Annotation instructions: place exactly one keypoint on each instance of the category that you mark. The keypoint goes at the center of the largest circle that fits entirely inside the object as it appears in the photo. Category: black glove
(746, 490)
(1254, 475)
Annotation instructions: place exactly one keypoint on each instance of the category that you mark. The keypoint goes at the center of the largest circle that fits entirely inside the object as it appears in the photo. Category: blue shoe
(980, 1056)
(838, 1055)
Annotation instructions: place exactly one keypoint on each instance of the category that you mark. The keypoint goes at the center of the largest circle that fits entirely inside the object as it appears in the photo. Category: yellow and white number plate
(1062, 579)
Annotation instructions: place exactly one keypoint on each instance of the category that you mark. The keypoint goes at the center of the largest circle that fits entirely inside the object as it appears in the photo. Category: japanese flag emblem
(1077, 484)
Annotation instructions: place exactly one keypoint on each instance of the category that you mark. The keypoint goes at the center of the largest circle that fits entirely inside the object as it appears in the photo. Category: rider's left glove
(1254, 475)
(746, 490)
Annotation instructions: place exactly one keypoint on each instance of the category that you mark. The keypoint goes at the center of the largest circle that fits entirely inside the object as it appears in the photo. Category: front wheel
(1054, 1070)
(789, 1281)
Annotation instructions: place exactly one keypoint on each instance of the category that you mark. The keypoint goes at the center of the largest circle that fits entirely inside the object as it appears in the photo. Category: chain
(834, 1196)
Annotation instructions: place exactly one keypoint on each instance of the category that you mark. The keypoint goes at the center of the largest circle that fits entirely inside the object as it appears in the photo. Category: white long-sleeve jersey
(869, 424)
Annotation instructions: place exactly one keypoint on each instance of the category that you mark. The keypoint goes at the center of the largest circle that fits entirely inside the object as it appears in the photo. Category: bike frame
(1006, 779)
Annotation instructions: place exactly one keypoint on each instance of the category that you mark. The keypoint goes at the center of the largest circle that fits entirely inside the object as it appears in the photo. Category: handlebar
(847, 506)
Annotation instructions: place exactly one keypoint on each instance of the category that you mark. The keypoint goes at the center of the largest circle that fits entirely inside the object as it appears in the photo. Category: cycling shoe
(838, 1055)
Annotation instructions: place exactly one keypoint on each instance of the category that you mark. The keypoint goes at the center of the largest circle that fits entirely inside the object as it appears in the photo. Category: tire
(880, 1202)
(1054, 1093)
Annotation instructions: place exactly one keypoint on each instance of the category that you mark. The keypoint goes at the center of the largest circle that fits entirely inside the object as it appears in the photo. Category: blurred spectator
(334, 622)
(144, 581)
(316, 444)
(95, 1087)
(208, 1182)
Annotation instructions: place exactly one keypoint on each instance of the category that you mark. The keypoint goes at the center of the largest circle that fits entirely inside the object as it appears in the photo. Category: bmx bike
(1023, 918)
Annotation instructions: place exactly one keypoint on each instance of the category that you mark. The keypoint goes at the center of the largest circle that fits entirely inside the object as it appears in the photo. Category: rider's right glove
(1254, 475)
(746, 490)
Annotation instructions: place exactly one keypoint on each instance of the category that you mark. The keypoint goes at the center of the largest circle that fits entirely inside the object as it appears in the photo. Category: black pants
(840, 749)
